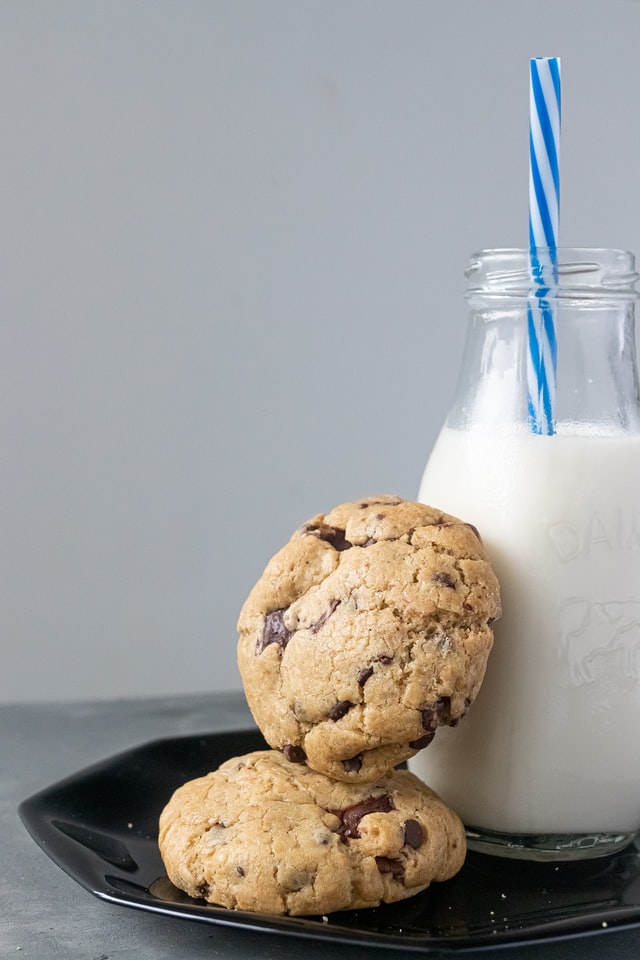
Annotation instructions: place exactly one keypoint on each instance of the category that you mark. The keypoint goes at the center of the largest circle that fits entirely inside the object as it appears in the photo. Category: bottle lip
(559, 273)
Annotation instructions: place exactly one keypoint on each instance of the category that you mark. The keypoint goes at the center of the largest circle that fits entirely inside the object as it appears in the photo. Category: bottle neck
(589, 307)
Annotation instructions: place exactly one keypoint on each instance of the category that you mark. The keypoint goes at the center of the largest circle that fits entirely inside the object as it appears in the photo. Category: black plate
(100, 826)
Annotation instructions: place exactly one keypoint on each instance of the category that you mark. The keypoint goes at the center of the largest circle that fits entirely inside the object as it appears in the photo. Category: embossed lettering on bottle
(598, 630)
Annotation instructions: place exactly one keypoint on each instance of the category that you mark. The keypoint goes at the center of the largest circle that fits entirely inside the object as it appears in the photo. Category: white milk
(552, 743)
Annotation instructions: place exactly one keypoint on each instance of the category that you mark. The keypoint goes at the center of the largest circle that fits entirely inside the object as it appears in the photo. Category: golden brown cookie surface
(263, 834)
(367, 630)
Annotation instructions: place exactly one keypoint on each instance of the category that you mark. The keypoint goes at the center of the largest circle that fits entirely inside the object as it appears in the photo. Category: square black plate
(100, 827)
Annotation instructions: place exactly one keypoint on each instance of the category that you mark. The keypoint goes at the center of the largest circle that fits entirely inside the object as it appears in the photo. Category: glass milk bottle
(546, 765)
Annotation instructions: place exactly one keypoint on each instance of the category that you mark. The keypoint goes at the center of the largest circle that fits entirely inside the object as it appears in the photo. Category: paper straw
(544, 215)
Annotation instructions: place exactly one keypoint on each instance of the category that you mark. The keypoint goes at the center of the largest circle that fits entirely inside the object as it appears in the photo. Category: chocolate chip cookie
(369, 629)
(264, 834)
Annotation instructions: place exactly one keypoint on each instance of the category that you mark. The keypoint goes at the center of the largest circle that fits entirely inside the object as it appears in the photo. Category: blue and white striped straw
(544, 215)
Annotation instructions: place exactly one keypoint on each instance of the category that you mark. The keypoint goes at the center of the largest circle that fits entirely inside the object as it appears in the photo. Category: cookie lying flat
(365, 632)
(264, 834)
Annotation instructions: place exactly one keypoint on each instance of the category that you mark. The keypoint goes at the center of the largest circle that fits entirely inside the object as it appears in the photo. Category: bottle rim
(559, 273)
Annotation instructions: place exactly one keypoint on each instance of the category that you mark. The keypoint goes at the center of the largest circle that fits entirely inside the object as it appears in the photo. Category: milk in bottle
(546, 765)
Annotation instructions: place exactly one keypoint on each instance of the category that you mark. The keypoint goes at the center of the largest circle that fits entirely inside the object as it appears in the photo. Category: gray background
(233, 235)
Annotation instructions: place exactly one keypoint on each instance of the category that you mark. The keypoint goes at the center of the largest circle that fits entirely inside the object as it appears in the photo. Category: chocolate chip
(429, 718)
(384, 658)
(364, 674)
(475, 530)
(274, 631)
(240, 870)
(435, 712)
(394, 867)
(339, 709)
(351, 816)
(444, 578)
(353, 764)
(380, 516)
(333, 535)
(422, 741)
(294, 754)
(320, 622)
(413, 834)
(203, 889)
(379, 503)
(338, 540)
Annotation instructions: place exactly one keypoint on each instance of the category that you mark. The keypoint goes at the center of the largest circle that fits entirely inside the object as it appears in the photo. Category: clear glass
(546, 765)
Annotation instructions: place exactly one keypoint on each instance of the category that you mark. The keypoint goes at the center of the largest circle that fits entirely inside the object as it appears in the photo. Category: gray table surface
(45, 914)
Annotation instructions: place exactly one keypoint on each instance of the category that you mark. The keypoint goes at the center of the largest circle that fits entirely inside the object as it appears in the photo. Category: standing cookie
(369, 629)
(264, 834)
